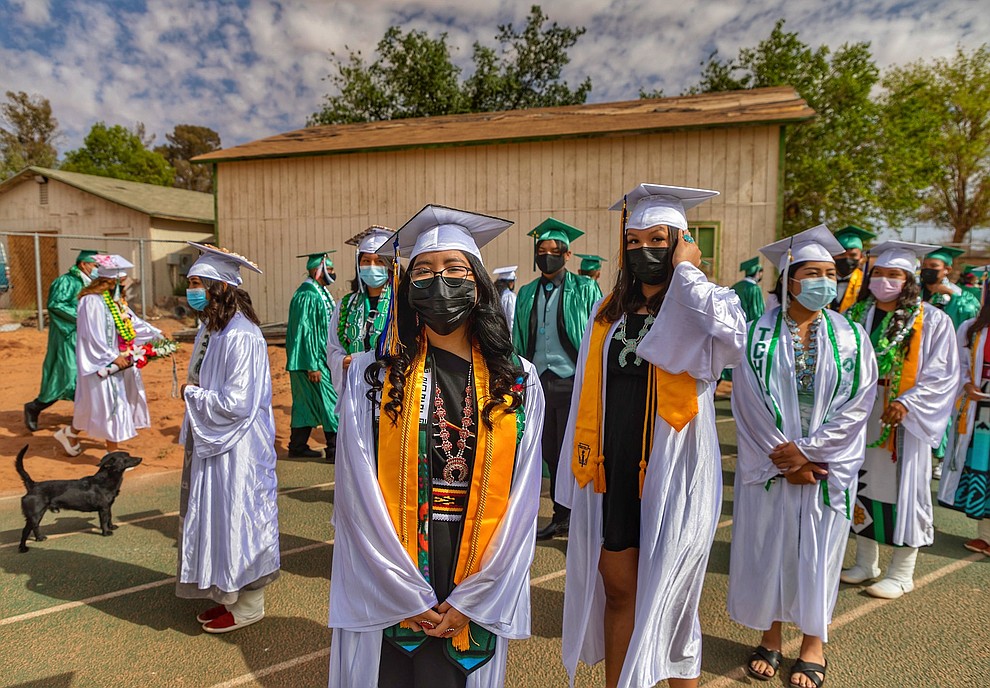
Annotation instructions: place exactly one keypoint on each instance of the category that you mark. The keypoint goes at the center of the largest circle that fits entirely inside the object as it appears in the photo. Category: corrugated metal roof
(733, 108)
(158, 201)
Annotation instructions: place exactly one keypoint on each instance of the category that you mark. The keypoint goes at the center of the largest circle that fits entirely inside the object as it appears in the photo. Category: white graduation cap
(506, 273)
(439, 228)
(371, 239)
(220, 264)
(111, 265)
(817, 243)
(901, 254)
(649, 205)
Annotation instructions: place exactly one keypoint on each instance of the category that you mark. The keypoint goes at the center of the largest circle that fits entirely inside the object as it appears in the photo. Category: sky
(254, 68)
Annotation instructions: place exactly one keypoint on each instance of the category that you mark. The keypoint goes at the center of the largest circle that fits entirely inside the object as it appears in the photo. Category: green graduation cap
(852, 236)
(552, 229)
(316, 258)
(590, 262)
(86, 255)
(946, 254)
(750, 267)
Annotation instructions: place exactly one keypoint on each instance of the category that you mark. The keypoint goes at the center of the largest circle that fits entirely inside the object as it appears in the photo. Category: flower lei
(125, 328)
(889, 352)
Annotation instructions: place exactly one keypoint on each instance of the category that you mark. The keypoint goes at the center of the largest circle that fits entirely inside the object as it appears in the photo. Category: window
(43, 194)
(706, 234)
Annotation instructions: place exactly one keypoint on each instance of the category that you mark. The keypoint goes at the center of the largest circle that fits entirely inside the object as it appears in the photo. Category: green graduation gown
(962, 307)
(306, 350)
(579, 293)
(58, 373)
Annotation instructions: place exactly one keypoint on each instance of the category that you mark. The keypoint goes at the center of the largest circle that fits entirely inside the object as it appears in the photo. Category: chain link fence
(30, 262)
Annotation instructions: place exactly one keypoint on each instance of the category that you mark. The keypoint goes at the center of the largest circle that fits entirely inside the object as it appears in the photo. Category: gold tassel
(622, 232)
(462, 641)
(389, 343)
(600, 474)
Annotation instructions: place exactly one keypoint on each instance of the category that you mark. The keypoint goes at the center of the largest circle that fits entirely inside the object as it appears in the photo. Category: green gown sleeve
(306, 335)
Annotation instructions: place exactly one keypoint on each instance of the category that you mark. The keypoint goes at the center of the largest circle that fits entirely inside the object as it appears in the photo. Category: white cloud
(34, 11)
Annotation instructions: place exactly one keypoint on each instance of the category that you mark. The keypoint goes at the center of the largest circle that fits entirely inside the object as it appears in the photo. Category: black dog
(92, 493)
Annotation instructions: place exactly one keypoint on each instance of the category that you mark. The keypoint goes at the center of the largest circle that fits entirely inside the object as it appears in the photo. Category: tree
(28, 134)
(936, 141)
(116, 151)
(184, 143)
(413, 75)
(830, 164)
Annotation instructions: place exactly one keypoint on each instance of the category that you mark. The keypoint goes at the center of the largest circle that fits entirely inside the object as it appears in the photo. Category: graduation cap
(591, 262)
(371, 239)
(439, 228)
(649, 205)
(552, 229)
(86, 255)
(816, 244)
(220, 264)
(315, 259)
(903, 255)
(111, 265)
(507, 273)
(750, 267)
(946, 254)
(852, 236)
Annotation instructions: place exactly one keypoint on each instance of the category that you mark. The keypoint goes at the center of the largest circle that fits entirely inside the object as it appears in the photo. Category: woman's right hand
(347, 362)
(428, 620)
(122, 361)
(973, 392)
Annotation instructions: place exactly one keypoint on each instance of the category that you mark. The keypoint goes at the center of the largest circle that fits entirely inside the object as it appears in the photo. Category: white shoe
(889, 589)
(857, 574)
(937, 472)
(64, 437)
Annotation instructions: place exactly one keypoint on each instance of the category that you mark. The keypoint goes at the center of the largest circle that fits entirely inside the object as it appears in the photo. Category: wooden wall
(272, 210)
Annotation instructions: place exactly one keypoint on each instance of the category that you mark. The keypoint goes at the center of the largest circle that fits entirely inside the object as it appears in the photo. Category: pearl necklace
(455, 468)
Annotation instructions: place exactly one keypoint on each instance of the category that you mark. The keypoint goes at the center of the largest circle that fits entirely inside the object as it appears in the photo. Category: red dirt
(21, 354)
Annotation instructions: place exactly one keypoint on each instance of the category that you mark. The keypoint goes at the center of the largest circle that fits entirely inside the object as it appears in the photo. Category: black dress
(429, 666)
(622, 446)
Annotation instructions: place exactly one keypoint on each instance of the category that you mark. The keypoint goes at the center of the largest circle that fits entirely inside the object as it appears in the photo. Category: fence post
(37, 281)
(144, 291)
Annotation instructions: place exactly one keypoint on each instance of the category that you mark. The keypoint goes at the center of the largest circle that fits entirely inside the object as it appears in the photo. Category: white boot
(867, 562)
(248, 609)
(900, 575)
(65, 437)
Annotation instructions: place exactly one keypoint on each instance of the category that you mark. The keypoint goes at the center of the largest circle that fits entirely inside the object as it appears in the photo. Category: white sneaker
(937, 472)
(857, 574)
(889, 589)
(64, 437)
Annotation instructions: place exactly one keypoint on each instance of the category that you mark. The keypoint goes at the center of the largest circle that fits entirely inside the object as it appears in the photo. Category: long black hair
(225, 300)
(627, 292)
(486, 327)
(778, 288)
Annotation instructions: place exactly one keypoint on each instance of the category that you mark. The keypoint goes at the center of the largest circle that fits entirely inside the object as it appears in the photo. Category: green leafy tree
(184, 143)
(936, 142)
(28, 133)
(413, 75)
(830, 165)
(116, 151)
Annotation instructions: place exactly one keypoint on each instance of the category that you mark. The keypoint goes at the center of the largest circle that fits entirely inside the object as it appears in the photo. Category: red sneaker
(978, 545)
(225, 623)
(211, 614)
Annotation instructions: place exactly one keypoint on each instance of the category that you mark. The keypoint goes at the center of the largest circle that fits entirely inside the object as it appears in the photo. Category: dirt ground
(22, 352)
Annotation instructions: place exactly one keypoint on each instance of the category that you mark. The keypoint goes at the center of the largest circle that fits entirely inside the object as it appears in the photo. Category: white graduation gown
(955, 453)
(229, 516)
(336, 354)
(115, 407)
(374, 584)
(508, 300)
(700, 329)
(929, 403)
(787, 543)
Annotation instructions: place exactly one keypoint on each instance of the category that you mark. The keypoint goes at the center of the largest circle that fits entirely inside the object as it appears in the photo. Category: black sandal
(762, 654)
(810, 671)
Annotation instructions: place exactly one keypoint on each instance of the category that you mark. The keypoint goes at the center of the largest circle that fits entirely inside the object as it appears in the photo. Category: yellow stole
(491, 477)
(963, 404)
(673, 397)
(852, 291)
(909, 370)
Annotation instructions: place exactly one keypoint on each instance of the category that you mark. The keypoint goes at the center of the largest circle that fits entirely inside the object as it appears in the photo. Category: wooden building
(54, 202)
(311, 189)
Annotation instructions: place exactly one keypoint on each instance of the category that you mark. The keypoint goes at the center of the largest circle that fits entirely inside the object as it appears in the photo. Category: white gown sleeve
(145, 331)
(374, 584)
(930, 401)
(93, 352)
(757, 433)
(497, 596)
(707, 323)
(336, 353)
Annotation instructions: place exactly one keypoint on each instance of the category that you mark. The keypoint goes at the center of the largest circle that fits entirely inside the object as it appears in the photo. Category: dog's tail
(19, 465)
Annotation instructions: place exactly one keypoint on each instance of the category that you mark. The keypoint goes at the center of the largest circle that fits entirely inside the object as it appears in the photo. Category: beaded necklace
(630, 345)
(125, 328)
(454, 463)
(805, 357)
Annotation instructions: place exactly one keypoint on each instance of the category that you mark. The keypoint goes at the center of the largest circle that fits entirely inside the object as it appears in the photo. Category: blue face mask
(373, 275)
(196, 298)
(816, 293)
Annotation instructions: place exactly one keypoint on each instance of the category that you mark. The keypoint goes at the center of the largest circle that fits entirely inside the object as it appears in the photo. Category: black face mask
(929, 276)
(649, 265)
(443, 308)
(549, 263)
(845, 266)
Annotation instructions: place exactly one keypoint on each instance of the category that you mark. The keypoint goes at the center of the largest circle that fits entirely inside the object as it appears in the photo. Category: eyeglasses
(453, 276)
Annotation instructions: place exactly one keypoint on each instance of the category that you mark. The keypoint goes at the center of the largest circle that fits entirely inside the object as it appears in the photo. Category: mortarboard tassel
(389, 344)
(624, 216)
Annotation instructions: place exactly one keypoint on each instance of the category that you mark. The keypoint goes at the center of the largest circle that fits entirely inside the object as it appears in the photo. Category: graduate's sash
(837, 375)
(852, 290)
(403, 453)
(672, 397)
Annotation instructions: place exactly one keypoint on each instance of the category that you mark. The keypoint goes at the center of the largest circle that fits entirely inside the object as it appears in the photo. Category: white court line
(162, 515)
(127, 591)
(739, 673)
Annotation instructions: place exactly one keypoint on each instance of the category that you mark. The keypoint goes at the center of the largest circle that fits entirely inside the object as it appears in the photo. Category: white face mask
(886, 288)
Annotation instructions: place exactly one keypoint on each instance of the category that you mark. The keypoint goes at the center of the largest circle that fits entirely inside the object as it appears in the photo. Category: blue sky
(253, 68)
